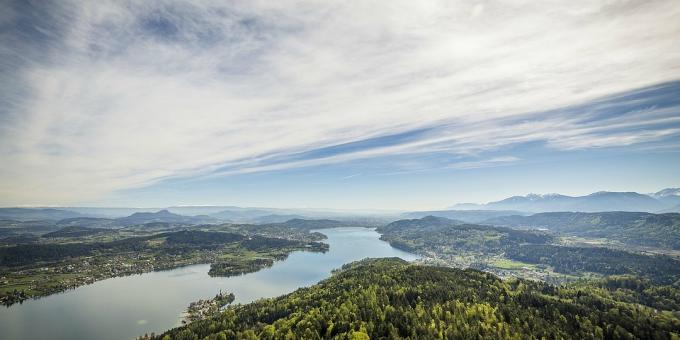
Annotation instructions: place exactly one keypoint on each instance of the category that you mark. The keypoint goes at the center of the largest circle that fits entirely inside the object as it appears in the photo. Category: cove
(126, 307)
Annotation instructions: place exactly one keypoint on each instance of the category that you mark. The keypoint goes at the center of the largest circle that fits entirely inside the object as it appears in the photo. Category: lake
(126, 307)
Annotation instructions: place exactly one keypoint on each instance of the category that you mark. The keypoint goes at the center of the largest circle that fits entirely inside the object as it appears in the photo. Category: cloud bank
(110, 95)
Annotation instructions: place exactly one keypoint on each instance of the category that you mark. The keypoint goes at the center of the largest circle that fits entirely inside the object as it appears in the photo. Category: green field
(510, 264)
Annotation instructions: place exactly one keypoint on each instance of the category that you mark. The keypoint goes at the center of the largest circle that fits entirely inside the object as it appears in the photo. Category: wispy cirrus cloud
(109, 95)
(496, 161)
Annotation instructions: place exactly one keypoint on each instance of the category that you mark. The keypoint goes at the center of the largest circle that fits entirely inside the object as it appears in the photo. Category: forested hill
(451, 236)
(77, 231)
(389, 298)
(427, 223)
(639, 228)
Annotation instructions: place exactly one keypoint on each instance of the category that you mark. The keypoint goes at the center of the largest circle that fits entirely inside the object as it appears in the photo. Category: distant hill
(153, 226)
(669, 196)
(639, 228)
(208, 214)
(32, 214)
(90, 222)
(19, 239)
(299, 223)
(164, 216)
(595, 202)
(274, 215)
(469, 216)
(675, 209)
(15, 228)
(274, 218)
(225, 213)
(425, 224)
(76, 231)
(254, 215)
(439, 234)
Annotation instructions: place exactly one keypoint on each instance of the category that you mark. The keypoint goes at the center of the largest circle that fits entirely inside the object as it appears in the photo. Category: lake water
(126, 307)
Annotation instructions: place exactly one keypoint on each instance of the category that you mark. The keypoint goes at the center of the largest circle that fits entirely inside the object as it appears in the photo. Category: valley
(553, 255)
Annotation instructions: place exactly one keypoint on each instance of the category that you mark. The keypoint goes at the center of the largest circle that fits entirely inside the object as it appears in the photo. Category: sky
(335, 104)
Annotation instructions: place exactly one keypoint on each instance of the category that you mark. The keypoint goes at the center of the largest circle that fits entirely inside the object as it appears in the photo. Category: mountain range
(18, 222)
(663, 201)
(36, 214)
(666, 200)
(466, 216)
(129, 216)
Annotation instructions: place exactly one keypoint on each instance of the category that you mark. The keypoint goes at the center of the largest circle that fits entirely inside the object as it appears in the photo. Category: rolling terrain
(636, 228)
(390, 298)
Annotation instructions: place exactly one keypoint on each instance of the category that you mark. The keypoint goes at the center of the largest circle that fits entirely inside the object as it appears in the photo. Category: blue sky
(308, 104)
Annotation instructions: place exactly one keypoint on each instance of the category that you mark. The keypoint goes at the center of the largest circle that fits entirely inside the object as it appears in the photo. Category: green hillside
(389, 298)
(447, 236)
(638, 228)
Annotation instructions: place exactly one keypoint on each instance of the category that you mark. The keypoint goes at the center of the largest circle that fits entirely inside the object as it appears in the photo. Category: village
(35, 282)
(203, 309)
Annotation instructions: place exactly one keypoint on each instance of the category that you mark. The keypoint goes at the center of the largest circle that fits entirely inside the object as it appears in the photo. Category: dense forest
(634, 289)
(389, 298)
(455, 237)
(637, 228)
(77, 231)
(657, 268)
(173, 242)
